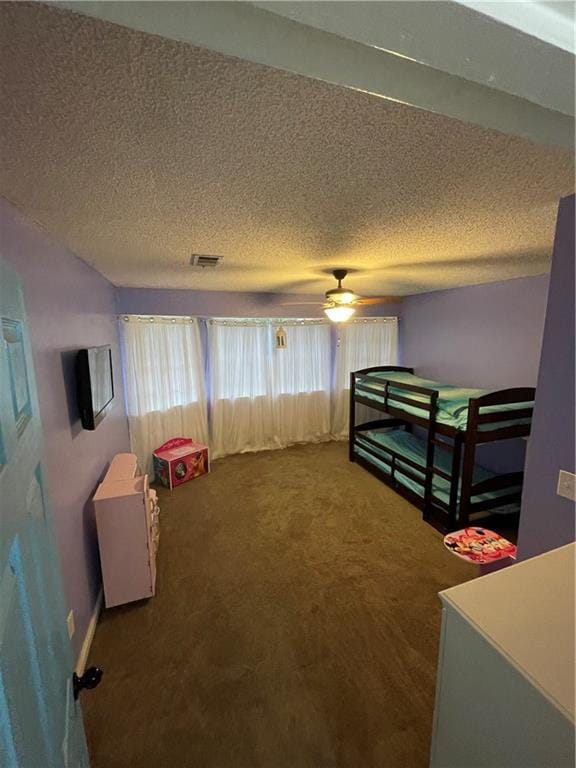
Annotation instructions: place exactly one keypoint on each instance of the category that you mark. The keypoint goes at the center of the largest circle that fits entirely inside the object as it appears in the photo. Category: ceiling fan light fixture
(341, 296)
(339, 313)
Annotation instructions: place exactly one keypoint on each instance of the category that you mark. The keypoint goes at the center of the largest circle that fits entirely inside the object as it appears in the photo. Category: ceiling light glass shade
(339, 314)
(341, 296)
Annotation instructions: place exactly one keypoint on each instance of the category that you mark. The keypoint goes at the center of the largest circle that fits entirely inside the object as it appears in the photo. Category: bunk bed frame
(482, 427)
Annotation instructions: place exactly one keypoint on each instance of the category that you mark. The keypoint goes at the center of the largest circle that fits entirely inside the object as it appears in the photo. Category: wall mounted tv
(94, 384)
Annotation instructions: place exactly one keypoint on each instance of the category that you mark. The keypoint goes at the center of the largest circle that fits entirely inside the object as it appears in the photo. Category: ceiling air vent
(199, 260)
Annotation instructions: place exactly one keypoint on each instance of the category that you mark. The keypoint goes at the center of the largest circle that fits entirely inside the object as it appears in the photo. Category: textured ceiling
(136, 152)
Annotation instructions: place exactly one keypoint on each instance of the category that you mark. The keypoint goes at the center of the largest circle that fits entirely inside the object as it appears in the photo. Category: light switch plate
(566, 485)
(71, 625)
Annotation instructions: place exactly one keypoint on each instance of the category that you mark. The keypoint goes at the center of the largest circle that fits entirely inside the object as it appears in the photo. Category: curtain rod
(249, 320)
(231, 321)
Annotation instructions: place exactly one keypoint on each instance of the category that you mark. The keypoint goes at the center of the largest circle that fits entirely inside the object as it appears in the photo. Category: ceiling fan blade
(366, 300)
(298, 303)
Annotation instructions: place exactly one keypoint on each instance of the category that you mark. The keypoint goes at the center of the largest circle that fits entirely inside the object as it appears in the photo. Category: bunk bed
(424, 446)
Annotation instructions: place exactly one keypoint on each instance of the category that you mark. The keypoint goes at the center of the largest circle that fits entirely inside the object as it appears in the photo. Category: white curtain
(361, 344)
(264, 397)
(164, 382)
(261, 397)
(301, 384)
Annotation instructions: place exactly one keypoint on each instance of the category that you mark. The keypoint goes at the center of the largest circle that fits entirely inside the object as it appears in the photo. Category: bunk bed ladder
(430, 446)
(468, 463)
(352, 416)
(455, 482)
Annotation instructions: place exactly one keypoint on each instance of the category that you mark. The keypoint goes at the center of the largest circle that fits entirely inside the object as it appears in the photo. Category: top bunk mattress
(452, 403)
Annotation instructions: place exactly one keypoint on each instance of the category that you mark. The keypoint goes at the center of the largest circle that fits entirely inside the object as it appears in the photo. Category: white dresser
(505, 691)
(128, 532)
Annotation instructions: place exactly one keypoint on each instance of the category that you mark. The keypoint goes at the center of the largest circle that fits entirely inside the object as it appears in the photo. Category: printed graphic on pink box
(479, 545)
(180, 460)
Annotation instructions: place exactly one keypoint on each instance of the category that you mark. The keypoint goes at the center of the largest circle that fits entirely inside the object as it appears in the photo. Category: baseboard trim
(89, 636)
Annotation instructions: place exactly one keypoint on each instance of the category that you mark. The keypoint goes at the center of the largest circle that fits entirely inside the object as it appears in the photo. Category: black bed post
(430, 445)
(468, 465)
(455, 481)
(352, 417)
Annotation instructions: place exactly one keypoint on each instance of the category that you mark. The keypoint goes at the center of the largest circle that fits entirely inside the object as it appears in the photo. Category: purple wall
(486, 336)
(548, 519)
(69, 306)
(149, 301)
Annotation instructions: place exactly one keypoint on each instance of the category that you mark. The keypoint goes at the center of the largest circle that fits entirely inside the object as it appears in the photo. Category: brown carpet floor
(296, 625)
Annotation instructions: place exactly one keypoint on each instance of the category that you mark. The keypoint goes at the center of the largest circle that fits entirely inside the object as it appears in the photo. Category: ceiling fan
(340, 303)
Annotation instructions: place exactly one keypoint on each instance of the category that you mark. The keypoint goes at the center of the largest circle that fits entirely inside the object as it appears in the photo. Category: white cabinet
(505, 692)
(127, 512)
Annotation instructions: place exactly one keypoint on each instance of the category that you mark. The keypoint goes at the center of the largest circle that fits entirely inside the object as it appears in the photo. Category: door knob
(90, 679)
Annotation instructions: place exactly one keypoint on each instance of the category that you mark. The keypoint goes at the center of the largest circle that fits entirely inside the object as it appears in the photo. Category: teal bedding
(452, 403)
(413, 448)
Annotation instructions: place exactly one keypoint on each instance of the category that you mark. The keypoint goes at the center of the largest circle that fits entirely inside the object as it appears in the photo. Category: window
(304, 366)
(163, 364)
(164, 383)
(261, 397)
(239, 359)
(361, 344)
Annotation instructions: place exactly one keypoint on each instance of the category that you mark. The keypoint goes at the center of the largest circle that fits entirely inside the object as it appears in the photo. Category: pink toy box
(180, 460)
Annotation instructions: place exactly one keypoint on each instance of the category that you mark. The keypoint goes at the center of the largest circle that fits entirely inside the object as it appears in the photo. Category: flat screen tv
(94, 384)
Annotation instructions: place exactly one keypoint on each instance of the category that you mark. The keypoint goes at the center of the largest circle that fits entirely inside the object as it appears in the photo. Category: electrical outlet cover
(566, 485)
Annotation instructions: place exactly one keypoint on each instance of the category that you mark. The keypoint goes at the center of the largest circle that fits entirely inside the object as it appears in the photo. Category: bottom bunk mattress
(404, 444)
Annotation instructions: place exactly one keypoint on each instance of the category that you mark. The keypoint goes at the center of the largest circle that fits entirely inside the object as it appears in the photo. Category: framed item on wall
(17, 369)
(2, 451)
